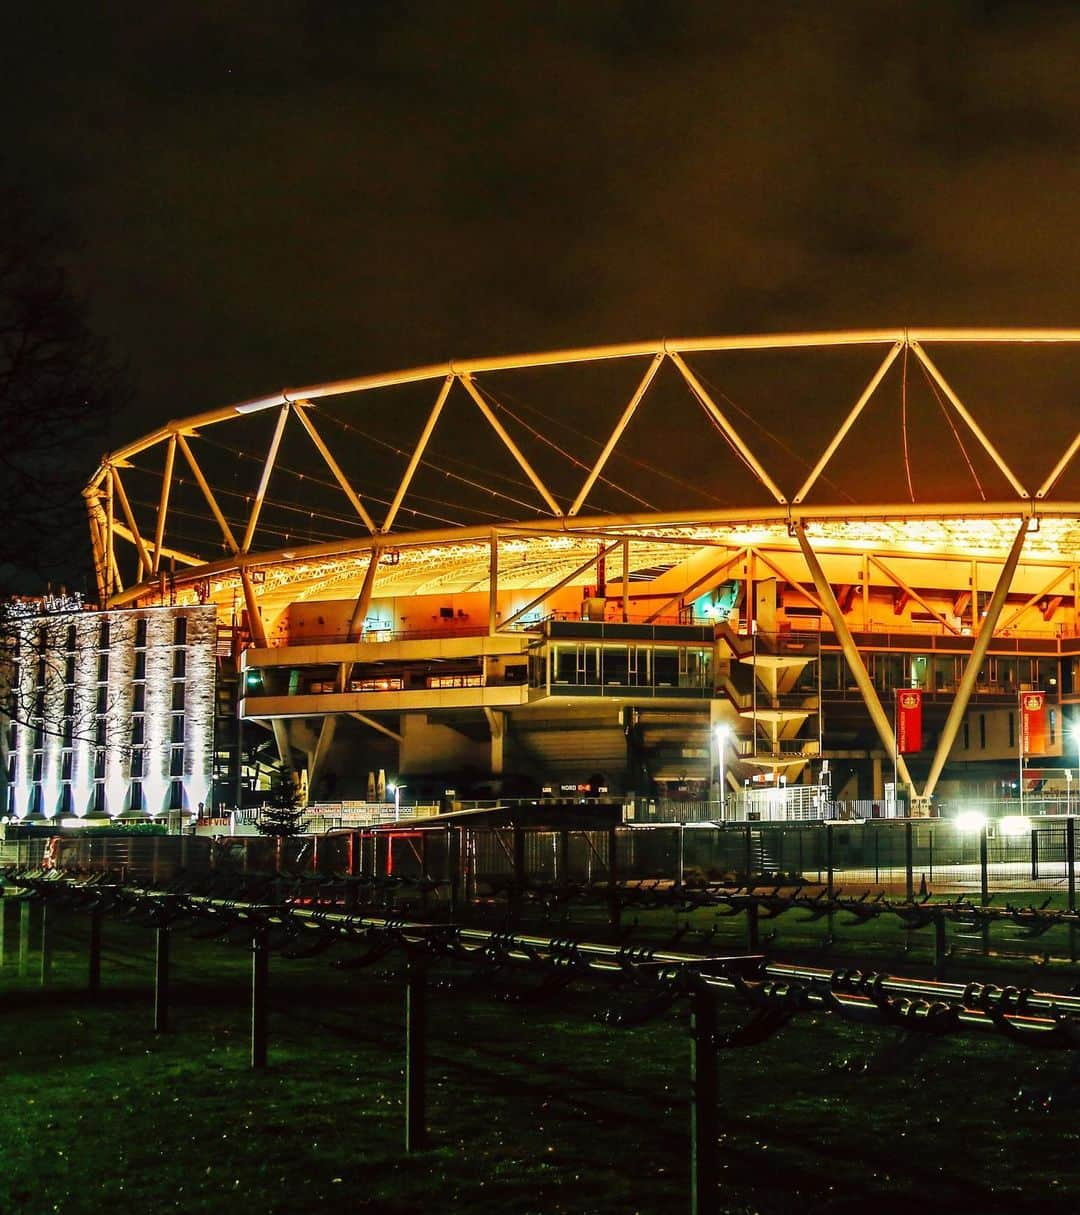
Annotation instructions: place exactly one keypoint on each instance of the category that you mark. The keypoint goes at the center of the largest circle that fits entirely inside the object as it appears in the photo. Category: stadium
(697, 569)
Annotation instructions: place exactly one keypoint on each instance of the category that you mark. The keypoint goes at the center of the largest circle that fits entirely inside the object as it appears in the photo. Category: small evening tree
(283, 814)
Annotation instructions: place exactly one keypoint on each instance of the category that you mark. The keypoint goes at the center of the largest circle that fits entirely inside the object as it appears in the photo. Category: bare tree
(57, 389)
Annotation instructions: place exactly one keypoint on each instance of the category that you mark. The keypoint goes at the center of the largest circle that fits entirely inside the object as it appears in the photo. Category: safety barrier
(646, 984)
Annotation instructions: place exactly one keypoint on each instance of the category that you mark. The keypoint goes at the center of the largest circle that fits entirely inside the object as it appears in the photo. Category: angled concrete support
(363, 602)
(255, 620)
(318, 756)
(854, 659)
(281, 737)
(496, 720)
(378, 726)
(975, 661)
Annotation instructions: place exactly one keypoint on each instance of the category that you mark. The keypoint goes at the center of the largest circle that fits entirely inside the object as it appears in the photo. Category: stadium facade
(350, 622)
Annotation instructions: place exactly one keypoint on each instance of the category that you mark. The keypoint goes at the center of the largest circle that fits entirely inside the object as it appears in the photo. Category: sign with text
(908, 720)
(1033, 723)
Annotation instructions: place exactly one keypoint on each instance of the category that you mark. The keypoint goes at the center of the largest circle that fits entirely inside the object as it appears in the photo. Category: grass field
(532, 1107)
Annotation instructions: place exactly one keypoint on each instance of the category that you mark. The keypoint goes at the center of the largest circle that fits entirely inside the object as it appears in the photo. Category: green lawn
(533, 1107)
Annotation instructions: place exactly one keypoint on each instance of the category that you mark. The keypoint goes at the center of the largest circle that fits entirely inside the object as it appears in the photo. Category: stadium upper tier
(642, 457)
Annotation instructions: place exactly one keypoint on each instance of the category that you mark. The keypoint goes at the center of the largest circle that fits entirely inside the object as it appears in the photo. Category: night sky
(270, 194)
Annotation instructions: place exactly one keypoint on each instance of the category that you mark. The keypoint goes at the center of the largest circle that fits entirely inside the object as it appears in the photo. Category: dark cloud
(281, 193)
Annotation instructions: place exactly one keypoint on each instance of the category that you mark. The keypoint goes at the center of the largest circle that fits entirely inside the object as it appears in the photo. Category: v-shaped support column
(975, 661)
(854, 659)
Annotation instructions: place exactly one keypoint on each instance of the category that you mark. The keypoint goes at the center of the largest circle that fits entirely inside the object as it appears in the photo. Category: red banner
(908, 720)
(1033, 723)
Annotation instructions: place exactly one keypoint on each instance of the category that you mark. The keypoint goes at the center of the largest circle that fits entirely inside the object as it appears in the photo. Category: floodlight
(970, 820)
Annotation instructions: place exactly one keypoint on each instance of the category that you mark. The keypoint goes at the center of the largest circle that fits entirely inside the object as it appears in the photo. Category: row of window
(179, 668)
(66, 805)
(45, 638)
(138, 760)
(101, 726)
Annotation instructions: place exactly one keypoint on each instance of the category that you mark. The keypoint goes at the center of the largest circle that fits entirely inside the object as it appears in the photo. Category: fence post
(563, 856)
(1034, 854)
(749, 852)
(1070, 871)
(415, 1052)
(517, 888)
(752, 926)
(828, 860)
(984, 866)
(704, 1121)
(161, 979)
(260, 976)
(453, 868)
(46, 944)
(614, 905)
(909, 865)
(939, 946)
(93, 975)
(680, 869)
(3, 927)
(24, 936)
(1070, 859)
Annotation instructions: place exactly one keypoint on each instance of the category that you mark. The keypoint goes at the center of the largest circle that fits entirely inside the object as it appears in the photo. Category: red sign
(908, 720)
(1033, 723)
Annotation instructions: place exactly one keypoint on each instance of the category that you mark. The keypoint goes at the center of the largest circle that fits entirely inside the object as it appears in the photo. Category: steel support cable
(446, 472)
(333, 485)
(313, 534)
(497, 404)
(617, 453)
(952, 426)
(745, 413)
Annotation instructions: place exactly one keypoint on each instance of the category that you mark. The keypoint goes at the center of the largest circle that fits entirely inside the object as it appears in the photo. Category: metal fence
(899, 857)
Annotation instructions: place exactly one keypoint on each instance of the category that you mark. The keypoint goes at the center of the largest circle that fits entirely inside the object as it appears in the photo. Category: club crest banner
(908, 720)
(1033, 723)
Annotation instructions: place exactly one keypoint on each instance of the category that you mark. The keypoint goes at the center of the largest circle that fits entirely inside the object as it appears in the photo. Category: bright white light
(1015, 824)
(721, 733)
(970, 820)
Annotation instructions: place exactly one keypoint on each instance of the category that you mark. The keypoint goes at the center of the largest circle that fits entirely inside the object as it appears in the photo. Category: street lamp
(396, 789)
(721, 733)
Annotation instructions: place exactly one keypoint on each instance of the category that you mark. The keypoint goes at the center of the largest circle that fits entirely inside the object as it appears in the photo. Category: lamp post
(396, 789)
(721, 734)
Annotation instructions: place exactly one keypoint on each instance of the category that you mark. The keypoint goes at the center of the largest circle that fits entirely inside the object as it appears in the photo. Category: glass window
(179, 664)
(140, 632)
(180, 630)
(103, 636)
(616, 665)
(103, 668)
(139, 699)
(178, 728)
(176, 795)
(666, 667)
(138, 729)
(176, 762)
(178, 696)
(140, 665)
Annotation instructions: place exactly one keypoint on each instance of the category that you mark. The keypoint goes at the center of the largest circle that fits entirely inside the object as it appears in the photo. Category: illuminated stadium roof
(860, 438)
